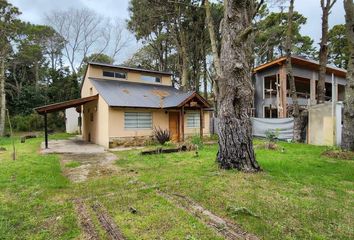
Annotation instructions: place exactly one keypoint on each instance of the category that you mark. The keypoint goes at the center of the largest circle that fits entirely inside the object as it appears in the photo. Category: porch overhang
(58, 107)
(64, 105)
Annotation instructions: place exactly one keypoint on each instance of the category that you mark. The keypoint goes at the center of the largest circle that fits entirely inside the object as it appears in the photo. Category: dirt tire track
(107, 222)
(220, 225)
(85, 221)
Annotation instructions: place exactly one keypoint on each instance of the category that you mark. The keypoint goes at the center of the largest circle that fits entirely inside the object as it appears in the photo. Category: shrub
(35, 122)
(272, 135)
(197, 140)
(162, 136)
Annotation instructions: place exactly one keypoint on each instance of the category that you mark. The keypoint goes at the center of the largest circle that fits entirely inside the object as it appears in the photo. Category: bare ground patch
(90, 165)
(220, 225)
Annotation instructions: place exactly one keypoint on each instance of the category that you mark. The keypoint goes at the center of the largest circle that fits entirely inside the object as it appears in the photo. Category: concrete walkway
(80, 160)
(72, 145)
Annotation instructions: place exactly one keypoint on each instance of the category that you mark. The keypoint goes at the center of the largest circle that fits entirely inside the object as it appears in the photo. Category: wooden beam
(283, 95)
(45, 130)
(201, 123)
(182, 123)
(64, 105)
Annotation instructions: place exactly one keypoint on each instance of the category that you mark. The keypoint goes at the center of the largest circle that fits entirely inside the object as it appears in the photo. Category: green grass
(299, 195)
(72, 164)
(30, 203)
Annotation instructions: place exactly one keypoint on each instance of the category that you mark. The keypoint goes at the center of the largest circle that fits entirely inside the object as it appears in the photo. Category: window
(120, 75)
(114, 74)
(108, 74)
(150, 79)
(142, 120)
(193, 120)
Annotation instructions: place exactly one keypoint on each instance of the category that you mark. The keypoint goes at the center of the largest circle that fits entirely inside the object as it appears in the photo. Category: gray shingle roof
(128, 94)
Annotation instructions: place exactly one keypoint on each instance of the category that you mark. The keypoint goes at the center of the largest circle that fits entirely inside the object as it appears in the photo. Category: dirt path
(220, 225)
(88, 165)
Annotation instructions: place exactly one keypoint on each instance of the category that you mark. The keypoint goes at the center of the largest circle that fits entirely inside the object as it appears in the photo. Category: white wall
(71, 120)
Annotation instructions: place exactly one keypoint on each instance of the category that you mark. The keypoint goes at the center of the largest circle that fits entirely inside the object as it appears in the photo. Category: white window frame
(139, 119)
(193, 119)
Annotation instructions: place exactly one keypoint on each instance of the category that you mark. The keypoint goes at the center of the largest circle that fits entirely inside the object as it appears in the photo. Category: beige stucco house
(120, 103)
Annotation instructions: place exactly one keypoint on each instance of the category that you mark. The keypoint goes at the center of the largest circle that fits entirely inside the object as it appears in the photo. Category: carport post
(45, 130)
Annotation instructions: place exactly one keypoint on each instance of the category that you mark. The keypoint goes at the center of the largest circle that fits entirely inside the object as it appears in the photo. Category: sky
(34, 11)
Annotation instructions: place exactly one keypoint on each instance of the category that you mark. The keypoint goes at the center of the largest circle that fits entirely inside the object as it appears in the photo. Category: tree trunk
(205, 76)
(323, 55)
(348, 130)
(2, 95)
(290, 75)
(235, 89)
(216, 58)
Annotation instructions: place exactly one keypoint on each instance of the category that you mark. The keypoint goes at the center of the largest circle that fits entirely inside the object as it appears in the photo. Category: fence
(284, 126)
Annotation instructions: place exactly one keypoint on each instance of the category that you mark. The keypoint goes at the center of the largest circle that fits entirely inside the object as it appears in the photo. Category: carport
(44, 110)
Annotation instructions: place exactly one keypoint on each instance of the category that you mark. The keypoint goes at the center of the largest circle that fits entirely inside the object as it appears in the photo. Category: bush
(35, 122)
(197, 140)
(272, 135)
(162, 136)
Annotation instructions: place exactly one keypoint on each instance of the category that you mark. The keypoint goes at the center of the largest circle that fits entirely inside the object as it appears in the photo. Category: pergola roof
(64, 105)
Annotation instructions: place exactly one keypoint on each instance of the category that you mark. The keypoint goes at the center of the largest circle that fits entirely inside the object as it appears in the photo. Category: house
(272, 95)
(122, 103)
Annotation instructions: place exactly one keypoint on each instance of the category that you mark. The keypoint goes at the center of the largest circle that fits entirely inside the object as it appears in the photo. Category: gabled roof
(134, 69)
(140, 95)
(303, 62)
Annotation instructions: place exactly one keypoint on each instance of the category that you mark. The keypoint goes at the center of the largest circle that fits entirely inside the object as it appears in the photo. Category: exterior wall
(116, 123)
(159, 119)
(196, 131)
(97, 72)
(97, 129)
(71, 120)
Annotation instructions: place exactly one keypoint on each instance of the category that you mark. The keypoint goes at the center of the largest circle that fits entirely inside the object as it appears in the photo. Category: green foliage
(270, 37)
(72, 164)
(35, 122)
(338, 46)
(162, 136)
(272, 135)
(197, 140)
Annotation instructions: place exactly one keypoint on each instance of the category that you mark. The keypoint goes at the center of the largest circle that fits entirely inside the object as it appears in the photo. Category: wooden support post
(201, 123)
(45, 130)
(182, 124)
(283, 91)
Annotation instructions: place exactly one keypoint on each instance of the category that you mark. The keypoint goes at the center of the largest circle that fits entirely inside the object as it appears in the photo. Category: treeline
(176, 38)
(44, 64)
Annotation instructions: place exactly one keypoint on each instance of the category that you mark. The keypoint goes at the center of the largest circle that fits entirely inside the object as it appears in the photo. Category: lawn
(299, 195)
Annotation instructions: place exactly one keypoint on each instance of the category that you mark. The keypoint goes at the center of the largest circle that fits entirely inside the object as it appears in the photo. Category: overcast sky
(35, 10)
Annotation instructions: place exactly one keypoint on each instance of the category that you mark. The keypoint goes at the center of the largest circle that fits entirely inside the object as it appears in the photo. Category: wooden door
(174, 126)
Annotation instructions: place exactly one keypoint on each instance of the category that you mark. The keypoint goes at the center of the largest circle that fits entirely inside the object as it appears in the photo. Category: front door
(174, 126)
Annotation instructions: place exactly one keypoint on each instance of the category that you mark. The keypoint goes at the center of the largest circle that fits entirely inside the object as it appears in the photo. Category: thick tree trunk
(290, 75)
(2, 95)
(323, 55)
(235, 89)
(348, 130)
